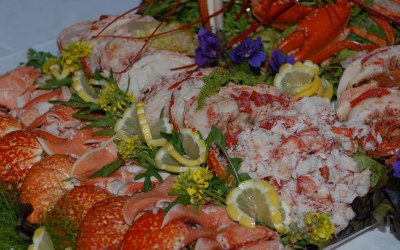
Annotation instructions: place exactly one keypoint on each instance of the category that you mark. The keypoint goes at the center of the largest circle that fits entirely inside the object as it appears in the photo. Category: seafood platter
(253, 124)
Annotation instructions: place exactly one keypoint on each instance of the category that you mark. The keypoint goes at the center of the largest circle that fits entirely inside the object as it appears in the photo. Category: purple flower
(396, 166)
(278, 59)
(252, 51)
(208, 51)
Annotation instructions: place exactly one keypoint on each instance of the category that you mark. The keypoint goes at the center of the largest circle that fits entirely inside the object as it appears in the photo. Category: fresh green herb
(199, 186)
(317, 231)
(135, 149)
(219, 78)
(107, 120)
(219, 139)
(52, 84)
(77, 103)
(378, 171)
(107, 169)
(146, 160)
(9, 215)
(332, 72)
(186, 12)
(36, 59)
(175, 139)
(109, 132)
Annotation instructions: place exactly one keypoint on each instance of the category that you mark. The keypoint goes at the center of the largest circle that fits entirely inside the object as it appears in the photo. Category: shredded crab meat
(310, 165)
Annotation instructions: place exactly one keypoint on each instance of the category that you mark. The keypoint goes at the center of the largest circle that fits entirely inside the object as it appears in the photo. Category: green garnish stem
(231, 166)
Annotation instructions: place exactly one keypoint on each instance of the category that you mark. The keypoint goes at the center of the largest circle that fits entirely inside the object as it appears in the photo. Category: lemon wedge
(257, 201)
(326, 90)
(299, 79)
(41, 240)
(84, 89)
(128, 126)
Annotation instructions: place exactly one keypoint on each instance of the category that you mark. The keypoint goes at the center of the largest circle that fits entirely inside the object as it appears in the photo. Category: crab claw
(147, 233)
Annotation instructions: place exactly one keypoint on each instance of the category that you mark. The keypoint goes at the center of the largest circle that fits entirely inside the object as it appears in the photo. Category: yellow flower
(127, 147)
(194, 182)
(320, 225)
(74, 52)
(112, 99)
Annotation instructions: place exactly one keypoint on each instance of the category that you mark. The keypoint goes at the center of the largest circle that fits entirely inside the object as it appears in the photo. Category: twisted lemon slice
(134, 122)
(84, 88)
(168, 158)
(257, 201)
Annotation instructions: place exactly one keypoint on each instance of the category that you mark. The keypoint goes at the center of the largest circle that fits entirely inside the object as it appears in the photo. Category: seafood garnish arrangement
(206, 125)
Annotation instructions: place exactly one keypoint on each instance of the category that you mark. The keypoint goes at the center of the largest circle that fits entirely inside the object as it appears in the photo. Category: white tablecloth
(36, 24)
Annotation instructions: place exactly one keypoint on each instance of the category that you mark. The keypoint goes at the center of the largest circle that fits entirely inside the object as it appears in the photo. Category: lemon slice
(134, 122)
(81, 85)
(299, 79)
(41, 240)
(144, 126)
(326, 90)
(257, 201)
(169, 159)
(128, 126)
(165, 161)
(162, 125)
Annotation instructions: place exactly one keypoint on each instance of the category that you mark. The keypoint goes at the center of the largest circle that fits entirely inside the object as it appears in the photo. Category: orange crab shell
(146, 233)
(19, 150)
(45, 184)
(103, 226)
(78, 201)
(8, 124)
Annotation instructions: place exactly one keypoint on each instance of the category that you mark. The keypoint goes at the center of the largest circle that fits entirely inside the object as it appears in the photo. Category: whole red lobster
(321, 32)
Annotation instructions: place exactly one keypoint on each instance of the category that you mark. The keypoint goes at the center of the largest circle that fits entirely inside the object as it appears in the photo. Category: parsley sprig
(219, 139)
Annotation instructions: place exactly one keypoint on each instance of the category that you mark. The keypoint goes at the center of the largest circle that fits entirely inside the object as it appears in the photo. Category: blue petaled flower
(252, 51)
(208, 51)
(396, 166)
(278, 58)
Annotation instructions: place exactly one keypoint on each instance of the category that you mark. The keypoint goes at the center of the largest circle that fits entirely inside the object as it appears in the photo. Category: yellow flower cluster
(194, 182)
(321, 227)
(112, 99)
(127, 147)
(69, 62)
(73, 54)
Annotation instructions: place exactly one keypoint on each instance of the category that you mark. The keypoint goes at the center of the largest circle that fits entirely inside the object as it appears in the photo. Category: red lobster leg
(333, 49)
(281, 13)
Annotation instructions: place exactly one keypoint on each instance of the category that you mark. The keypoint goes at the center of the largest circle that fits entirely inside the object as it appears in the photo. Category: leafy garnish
(135, 149)
(219, 139)
(145, 159)
(52, 84)
(107, 120)
(9, 219)
(378, 171)
(77, 103)
(175, 139)
(107, 169)
(219, 78)
(37, 58)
